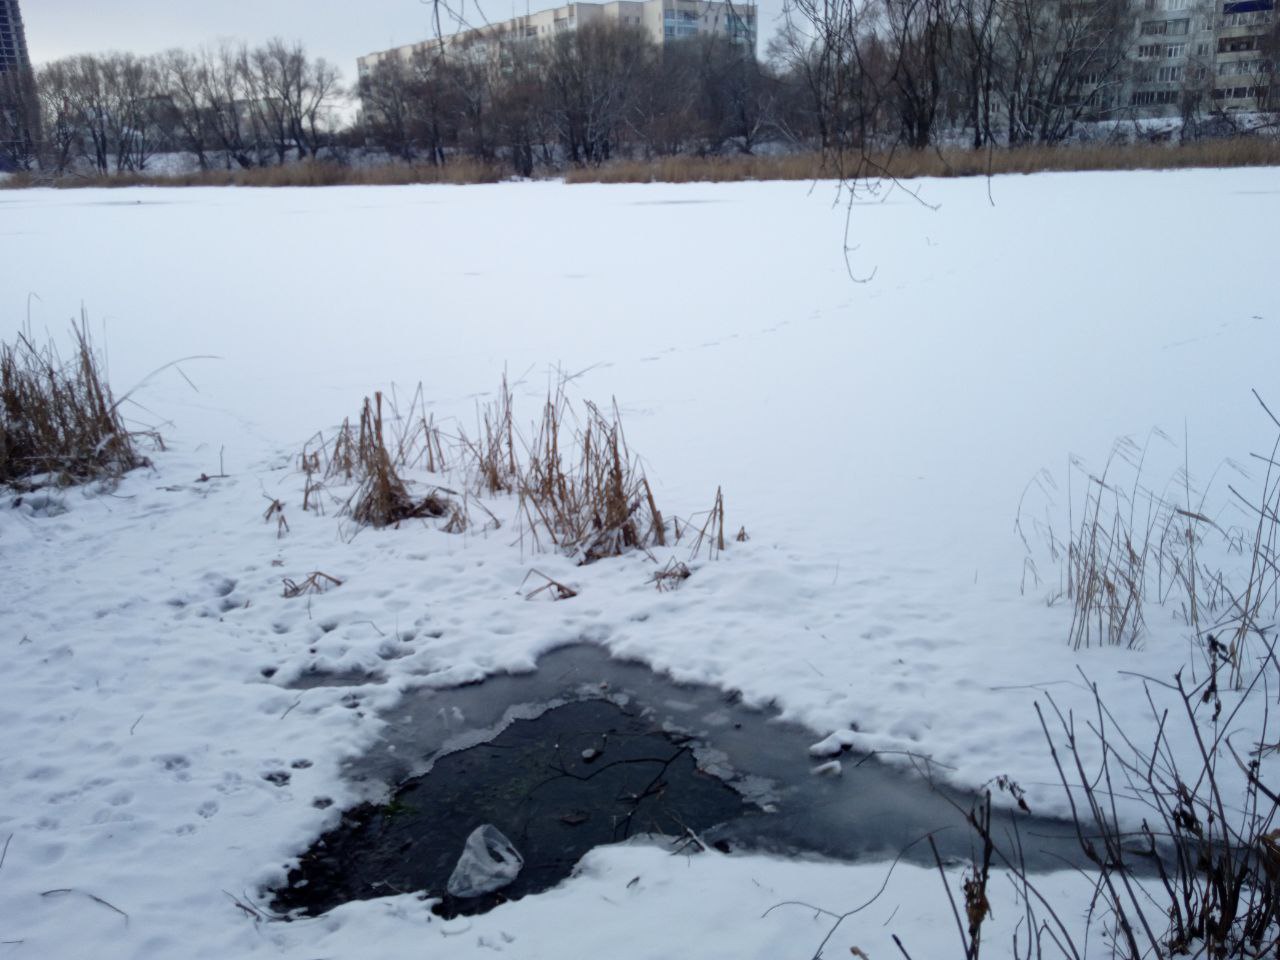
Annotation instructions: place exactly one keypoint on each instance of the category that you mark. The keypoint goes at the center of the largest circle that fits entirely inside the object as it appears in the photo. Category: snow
(874, 439)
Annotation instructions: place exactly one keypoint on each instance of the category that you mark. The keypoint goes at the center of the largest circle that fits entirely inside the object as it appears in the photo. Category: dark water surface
(589, 750)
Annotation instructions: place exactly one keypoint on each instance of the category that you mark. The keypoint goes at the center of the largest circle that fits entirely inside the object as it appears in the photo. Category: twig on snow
(62, 891)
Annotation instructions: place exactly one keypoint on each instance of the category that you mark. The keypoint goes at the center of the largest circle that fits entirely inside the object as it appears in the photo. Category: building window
(1237, 44)
(683, 23)
(1237, 68)
(1248, 6)
(1161, 28)
(1246, 18)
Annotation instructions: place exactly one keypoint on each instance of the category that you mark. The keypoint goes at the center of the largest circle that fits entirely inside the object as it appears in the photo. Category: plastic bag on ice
(489, 862)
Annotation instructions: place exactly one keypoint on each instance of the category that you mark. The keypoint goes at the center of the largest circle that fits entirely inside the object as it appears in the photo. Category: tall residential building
(1210, 52)
(13, 40)
(1171, 58)
(664, 20)
(19, 112)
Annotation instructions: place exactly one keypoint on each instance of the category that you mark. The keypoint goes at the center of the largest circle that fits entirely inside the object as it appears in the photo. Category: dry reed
(899, 164)
(362, 454)
(491, 457)
(59, 419)
(711, 533)
(307, 174)
(1132, 547)
(580, 490)
(315, 582)
(586, 491)
(382, 498)
(950, 162)
(670, 575)
(550, 588)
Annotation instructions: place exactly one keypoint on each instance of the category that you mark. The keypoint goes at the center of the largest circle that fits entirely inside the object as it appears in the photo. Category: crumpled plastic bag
(489, 862)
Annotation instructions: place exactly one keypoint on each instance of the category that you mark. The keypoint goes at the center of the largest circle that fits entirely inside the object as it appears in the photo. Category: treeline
(1012, 72)
(230, 106)
(580, 98)
(856, 76)
(843, 76)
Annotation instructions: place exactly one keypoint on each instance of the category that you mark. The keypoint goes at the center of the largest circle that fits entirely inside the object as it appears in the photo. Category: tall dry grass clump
(1131, 547)
(583, 489)
(491, 458)
(578, 487)
(59, 419)
(382, 497)
(1106, 561)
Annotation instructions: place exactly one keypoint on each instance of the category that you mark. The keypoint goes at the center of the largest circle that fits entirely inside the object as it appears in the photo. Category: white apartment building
(664, 20)
(1210, 49)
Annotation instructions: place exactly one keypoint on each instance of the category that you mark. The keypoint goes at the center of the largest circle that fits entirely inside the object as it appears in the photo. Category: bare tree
(846, 66)
(389, 105)
(184, 77)
(1057, 59)
(289, 96)
(225, 95)
(522, 125)
(920, 34)
(592, 73)
(59, 117)
(976, 28)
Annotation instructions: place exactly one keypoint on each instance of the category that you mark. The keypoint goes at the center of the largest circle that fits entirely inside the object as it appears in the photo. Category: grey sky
(337, 30)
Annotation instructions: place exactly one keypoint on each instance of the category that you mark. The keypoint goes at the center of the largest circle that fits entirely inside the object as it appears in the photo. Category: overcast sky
(339, 31)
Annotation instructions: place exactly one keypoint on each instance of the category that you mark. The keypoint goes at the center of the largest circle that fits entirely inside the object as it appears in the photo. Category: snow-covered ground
(875, 440)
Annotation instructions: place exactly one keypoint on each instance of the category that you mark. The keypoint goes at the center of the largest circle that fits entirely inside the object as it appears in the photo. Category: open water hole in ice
(589, 749)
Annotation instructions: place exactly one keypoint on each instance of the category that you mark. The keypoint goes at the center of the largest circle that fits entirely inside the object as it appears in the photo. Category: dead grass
(491, 457)
(315, 582)
(59, 419)
(276, 509)
(553, 589)
(911, 164)
(382, 498)
(579, 488)
(582, 488)
(901, 164)
(1106, 563)
(1132, 547)
(308, 174)
(670, 575)
(711, 533)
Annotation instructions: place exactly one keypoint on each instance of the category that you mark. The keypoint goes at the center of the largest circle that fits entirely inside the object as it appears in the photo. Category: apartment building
(1212, 53)
(13, 40)
(665, 21)
(19, 115)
